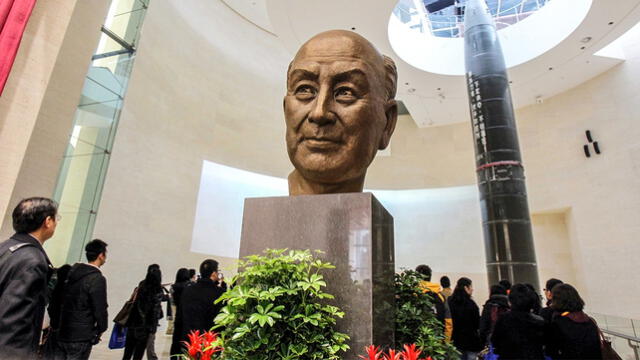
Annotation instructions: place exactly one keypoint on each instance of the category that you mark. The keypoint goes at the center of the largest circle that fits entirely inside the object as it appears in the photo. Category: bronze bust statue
(339, 111)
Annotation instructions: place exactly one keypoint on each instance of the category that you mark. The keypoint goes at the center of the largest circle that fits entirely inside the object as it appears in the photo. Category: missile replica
(508, 238)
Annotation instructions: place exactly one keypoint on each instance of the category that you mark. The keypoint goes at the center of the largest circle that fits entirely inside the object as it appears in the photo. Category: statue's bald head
(339, 111)
(349, 43)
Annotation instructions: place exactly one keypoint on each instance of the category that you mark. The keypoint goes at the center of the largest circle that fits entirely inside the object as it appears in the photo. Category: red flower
(392, 355)
(200, 346)
(210, 337)
(194, 345)
(373, 353)
(410, 352)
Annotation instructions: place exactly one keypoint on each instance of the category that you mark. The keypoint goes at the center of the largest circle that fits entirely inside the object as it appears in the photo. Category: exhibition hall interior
(174, 132)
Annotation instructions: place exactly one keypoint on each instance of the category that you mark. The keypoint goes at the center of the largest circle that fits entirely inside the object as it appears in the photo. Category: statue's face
(335, 109)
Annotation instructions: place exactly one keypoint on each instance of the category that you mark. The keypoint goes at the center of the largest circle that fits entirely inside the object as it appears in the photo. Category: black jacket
(25, 271)
(573, 336)
(547, 314)
(144, 313)
(84, 308)
(492, 309)
(176, 294)
(197, 308)
(519, 335)
(466, 321)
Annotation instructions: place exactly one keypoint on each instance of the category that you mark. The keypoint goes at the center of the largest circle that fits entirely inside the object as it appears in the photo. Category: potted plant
(276, 309)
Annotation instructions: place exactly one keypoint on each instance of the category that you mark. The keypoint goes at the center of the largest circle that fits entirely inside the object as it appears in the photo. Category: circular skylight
(428, 33)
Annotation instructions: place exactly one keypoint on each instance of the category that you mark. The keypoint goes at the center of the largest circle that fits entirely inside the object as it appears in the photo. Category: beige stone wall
(553, 245)
(43, 90)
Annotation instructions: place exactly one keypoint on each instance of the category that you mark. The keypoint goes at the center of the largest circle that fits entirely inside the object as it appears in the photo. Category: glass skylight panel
(447, 22)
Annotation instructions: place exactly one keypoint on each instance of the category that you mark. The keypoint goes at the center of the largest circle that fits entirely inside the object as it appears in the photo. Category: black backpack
(439, 305)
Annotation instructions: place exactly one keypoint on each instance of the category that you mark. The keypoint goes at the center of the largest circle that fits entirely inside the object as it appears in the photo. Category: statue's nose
(321, 113)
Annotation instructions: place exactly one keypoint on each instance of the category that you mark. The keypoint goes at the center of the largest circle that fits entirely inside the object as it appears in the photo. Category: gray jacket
(25, 271)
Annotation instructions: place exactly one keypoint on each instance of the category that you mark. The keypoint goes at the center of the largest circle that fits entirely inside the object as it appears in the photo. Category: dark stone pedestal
(356, 234)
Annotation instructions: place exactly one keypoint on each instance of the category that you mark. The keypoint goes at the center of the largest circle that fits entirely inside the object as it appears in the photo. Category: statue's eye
(345, 94)
(305, 92)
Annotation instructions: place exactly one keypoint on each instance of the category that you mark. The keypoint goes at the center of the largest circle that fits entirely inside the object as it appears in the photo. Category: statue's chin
(329, 168)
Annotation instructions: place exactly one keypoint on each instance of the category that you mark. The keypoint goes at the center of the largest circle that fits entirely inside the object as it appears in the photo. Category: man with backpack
(25, 271)
(433, 290)
(83, 314)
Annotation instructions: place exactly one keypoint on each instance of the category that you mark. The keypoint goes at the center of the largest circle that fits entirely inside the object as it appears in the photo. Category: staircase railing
(623, 334)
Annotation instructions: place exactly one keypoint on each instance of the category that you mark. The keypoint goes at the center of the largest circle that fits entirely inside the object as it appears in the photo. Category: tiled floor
(163, 345)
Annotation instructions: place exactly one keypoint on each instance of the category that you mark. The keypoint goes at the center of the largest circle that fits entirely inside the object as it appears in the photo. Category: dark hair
(445, 282)
(425, 271)
(566, 298)
(537, 299)
(94, 248)
(153, 266)
(459, 293)
(551, 283)
(192, 273)
(207, 268)
(30, 213)
(151, 286)
(182, 275)
(522, 298)
(497, 290)
(506, 284)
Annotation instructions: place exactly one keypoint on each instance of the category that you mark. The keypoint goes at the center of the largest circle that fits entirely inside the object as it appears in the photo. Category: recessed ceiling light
(550, 68)
(583, 47)
(586, 39)
(411, 90)
(353, 28)
(610, 22)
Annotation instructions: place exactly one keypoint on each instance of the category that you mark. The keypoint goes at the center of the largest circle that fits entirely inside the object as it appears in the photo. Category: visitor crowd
(513, 324)
(75, 297)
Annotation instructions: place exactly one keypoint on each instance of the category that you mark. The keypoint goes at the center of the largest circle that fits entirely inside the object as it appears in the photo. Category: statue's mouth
(321, 143)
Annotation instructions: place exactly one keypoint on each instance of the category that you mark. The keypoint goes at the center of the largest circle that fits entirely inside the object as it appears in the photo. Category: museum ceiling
(541, 66)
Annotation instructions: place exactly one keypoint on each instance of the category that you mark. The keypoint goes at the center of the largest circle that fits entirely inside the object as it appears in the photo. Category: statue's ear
(391, 114)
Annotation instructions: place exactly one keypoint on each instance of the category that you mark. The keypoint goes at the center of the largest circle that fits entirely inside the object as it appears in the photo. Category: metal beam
(111, 53)
(117, 39)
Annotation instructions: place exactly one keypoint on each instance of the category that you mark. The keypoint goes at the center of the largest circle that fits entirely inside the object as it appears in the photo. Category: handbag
(118, 337)
(123, 315)
(605, 346)
(488, 354)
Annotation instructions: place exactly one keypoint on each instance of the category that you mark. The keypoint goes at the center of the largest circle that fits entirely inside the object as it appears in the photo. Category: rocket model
(509, 248)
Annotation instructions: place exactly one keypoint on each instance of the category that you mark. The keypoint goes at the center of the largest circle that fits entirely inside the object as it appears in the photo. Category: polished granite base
(355, 232)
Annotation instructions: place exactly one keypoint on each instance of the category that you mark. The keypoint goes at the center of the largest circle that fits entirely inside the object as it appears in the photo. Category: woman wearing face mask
(466, 320)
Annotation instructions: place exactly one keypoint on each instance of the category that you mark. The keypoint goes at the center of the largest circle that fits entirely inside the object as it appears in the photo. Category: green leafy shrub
(276, 309)
(416, 321)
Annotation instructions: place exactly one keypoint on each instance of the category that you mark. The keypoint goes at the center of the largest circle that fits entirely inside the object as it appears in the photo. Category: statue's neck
(299, 185)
